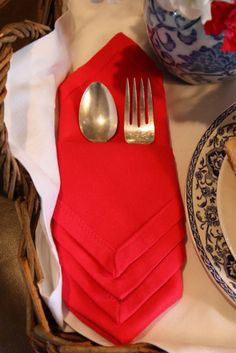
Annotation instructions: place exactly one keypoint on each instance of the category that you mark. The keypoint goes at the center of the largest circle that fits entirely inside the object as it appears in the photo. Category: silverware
(139, 129)
(97, 113)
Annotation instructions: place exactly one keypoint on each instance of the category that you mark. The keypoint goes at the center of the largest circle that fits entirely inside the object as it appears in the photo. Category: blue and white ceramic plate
(201, 202)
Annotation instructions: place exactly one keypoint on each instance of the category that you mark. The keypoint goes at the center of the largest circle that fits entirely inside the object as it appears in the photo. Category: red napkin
(116, 199)
(87, 311)
(116, 203)
(134, 275)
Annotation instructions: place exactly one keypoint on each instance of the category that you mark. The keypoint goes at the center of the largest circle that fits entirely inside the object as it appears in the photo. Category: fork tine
(134, 120)
(142, 104)
(150, 103)
(144, 133)
(127, 104)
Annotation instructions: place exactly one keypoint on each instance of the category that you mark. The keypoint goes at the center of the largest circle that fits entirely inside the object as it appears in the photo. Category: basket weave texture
(16, 184)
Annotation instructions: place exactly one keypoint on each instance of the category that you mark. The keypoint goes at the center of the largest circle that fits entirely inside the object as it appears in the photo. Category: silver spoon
(97, 113)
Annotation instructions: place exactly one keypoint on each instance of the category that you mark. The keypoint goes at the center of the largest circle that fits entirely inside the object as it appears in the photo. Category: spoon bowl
(97, 113)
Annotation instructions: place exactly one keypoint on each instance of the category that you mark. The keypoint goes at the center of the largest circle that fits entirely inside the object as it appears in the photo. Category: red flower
(223, 20)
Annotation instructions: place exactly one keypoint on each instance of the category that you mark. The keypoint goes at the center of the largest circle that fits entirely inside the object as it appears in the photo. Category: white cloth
(203, 321)
(35, 73)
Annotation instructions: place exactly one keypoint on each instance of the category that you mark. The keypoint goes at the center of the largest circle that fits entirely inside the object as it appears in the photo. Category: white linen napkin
(35, 73)
(202, 321)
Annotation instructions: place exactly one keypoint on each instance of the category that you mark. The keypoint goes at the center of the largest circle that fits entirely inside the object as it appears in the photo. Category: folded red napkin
(87, 311)
(116, 309)
(134, 275)
(115, 199)
(116, 203)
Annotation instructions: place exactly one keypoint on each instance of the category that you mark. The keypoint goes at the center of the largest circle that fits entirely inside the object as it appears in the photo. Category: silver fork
(138, 130)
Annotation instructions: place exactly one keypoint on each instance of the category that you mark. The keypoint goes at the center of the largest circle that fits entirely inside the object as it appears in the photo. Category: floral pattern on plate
(201, 203)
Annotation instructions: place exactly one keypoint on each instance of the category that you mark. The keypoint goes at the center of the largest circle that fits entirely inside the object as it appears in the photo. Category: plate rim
(209, 267)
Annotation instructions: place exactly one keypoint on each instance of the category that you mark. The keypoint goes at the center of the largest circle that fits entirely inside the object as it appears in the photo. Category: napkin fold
(116, 201)
(134, 275)
(88, 312)
(116, 309)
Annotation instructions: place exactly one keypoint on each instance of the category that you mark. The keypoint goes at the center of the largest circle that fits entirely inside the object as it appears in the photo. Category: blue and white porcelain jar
(185, 49)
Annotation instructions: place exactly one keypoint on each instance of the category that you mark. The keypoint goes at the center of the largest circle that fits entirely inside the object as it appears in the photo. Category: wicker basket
(16, 184)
